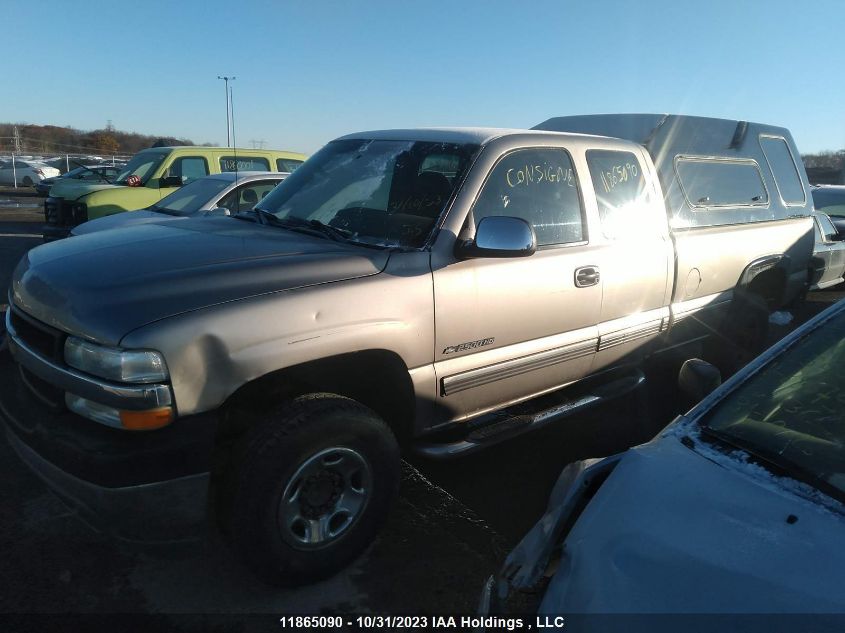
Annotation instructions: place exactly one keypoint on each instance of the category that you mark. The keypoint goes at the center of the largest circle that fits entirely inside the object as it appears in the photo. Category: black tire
(323, 453)
(27, 181)
(745, 331)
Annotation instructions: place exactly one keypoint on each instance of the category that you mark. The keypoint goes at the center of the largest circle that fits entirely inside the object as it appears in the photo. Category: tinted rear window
(244, 163)
(783, 167)
(716, 182)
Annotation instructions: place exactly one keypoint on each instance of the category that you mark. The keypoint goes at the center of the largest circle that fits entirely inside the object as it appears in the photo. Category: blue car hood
(120, 220)
(695, 530)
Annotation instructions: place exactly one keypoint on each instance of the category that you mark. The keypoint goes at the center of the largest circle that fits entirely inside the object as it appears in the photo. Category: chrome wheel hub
(324, 498)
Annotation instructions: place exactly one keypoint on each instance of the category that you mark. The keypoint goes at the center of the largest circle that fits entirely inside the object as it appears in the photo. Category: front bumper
(60, 216)
(158, 512)
(519, 586)
(139, 486)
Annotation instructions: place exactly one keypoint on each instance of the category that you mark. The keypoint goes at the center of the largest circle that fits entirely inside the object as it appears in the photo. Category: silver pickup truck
(415, 288)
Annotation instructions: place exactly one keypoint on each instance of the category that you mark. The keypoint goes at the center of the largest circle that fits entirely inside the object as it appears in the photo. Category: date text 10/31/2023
(421, 622)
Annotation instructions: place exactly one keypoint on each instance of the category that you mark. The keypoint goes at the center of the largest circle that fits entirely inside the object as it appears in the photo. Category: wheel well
(770, 285)
(376, 378)
(766, 278)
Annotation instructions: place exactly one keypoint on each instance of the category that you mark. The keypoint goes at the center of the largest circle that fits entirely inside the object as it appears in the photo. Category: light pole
(226, 88)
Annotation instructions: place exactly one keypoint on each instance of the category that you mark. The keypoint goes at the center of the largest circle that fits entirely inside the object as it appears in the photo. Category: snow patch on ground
(780, 318)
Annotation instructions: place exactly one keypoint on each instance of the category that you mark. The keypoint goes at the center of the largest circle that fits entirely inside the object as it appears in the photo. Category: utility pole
(17, 140)
(228, 99)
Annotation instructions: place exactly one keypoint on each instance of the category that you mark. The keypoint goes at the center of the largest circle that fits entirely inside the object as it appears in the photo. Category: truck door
(637, 264)
(507, 329)
(828, 254)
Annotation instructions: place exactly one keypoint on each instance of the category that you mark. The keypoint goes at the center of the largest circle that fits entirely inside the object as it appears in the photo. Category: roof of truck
(677, 130)
(476, 135)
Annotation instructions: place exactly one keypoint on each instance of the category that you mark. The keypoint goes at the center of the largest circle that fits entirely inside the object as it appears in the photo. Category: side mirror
(697, 379)
(169, 181)
(218, 211)
(499, 236)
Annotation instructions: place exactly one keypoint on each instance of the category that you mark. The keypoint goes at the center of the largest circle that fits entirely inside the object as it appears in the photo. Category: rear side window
(244, 163)
(721, 182)
(539, 186)
(287, 164)
(620, 187)
(446, 164)
(782, 163)
(244, 198)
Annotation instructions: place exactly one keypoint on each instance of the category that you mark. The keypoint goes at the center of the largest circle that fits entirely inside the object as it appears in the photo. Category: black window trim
(579, 192)
(774, 175)
(720, 159)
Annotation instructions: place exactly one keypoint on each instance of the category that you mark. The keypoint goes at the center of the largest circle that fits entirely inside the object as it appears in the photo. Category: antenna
(234, 143)
(228, 98)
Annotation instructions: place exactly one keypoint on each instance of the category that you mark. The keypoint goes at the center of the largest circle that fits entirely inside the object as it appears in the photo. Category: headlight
(115, 364)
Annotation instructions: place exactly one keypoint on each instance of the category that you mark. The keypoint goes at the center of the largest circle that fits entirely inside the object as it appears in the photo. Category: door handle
(586, 276)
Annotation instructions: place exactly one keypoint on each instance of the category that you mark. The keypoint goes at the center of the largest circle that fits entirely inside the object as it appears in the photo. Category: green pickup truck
(150, 175)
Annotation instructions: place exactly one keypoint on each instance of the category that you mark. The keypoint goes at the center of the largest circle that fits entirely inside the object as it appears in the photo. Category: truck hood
(73, 189)
(694, 530)
(120, 220)
(106, 284)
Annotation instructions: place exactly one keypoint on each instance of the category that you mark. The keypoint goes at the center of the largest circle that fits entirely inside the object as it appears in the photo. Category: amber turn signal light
(146, 420)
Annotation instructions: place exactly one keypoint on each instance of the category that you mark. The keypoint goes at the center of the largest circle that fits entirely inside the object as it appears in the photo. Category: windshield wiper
(312, 227)
(777, 462)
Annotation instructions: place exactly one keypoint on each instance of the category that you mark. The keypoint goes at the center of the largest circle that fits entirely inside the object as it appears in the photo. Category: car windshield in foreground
(190, 198)
(791, 414)
(373, 192)
(142, 165)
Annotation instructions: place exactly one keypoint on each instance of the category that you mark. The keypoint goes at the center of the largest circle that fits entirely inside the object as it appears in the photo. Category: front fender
(214, 351)
(118, 199)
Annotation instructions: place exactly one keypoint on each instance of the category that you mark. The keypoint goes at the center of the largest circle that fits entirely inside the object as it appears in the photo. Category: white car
(228, 193)
(25, 173)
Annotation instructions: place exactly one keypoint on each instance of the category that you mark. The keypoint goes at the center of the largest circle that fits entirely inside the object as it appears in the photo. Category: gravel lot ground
(452, 526)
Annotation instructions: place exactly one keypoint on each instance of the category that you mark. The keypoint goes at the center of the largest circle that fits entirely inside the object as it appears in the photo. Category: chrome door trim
(510, 368)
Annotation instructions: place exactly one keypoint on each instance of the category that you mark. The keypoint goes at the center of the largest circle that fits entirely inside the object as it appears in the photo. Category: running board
(499, 426)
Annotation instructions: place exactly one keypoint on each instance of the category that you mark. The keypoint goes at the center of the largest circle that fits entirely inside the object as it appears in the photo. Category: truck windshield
(792, 413)
(190, 198)
(142, 165)
(383, 193)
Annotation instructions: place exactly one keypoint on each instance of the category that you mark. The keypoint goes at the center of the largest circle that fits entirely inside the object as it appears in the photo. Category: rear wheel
(313, 486)
(746, 331)
(26, 181)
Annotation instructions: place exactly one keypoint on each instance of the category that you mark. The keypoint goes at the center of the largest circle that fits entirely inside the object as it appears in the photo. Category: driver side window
(188, 168)
(539, 186)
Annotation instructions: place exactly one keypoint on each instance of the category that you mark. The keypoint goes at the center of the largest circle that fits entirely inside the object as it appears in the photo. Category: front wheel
(314, 485)
(27, 181)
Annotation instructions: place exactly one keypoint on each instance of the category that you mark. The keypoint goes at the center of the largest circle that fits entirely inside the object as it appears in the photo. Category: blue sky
(311, 70)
